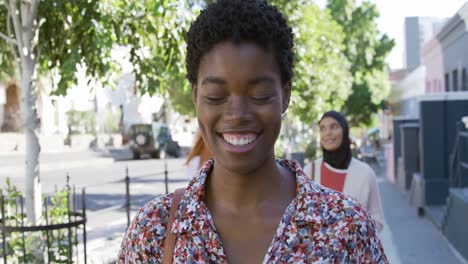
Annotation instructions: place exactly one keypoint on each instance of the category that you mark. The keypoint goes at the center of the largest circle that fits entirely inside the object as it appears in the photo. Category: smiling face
(331, 134)
(239, 98)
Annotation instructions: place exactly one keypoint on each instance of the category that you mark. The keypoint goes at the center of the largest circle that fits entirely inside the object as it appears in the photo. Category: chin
(333, 148)
(242, 165)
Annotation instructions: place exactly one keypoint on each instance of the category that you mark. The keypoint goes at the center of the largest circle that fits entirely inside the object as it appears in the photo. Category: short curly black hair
(240, 21)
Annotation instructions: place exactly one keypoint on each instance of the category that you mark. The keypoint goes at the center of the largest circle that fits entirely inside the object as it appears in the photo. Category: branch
(33, 11)
(14, 49)
(13, 10)
(7, 39)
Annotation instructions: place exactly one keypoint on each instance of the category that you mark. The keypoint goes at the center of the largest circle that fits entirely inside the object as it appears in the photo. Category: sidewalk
(107, 227)
(416, 239)
(408, 238)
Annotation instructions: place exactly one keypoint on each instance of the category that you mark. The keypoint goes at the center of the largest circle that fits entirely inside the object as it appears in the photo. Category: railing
(75, 222)
(459, 158)
(127, 181)
(60, 230)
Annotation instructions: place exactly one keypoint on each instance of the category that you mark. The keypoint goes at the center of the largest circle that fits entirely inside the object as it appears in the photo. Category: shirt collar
(192, 212)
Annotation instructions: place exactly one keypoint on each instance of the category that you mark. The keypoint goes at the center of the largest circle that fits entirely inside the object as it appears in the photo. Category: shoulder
(358, 167)
(157, 210)
(147, 230)
(341, 218)
(332, 204)
(337, 210)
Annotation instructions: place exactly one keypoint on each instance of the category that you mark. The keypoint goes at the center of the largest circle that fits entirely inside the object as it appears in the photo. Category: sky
(393, 13)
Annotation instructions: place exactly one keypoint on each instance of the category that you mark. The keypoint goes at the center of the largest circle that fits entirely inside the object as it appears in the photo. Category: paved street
(406, 237)
(86, 169)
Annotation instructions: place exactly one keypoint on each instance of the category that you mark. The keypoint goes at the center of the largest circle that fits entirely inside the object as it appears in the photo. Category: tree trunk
(23, 17)
(30, 119)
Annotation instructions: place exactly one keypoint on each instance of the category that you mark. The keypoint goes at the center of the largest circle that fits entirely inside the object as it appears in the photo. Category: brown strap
(169, 242)
(312, 174)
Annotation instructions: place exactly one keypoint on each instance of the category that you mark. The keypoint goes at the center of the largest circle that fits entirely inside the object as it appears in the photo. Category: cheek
(339, 137)
(205, 118)
(271, 117)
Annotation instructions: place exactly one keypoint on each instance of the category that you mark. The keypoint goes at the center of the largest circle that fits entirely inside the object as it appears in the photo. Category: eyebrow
(213, 80)
(261, 79)
(221, 81)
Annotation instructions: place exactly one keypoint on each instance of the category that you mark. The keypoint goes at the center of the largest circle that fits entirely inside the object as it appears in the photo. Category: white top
(360, 183)
(193, 167)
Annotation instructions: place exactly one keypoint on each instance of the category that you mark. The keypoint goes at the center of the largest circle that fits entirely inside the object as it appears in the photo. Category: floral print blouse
(319, 226)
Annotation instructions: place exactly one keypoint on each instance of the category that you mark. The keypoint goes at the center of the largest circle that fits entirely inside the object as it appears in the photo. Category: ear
(194, 94)
(286, 96)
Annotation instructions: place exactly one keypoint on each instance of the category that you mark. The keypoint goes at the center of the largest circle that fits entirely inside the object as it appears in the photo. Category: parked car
(153, 139)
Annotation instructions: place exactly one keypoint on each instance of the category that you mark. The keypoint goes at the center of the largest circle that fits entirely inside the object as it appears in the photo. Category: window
(447, 82)
(455, 80)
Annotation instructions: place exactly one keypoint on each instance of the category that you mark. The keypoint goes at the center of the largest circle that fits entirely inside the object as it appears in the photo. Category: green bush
(57, 213)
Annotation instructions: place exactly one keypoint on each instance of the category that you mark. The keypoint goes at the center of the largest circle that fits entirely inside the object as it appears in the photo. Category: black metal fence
(56, 234)
(72, 225)
(128, 180)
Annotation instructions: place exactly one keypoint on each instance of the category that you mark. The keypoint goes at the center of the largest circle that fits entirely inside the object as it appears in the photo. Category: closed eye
(214, 99)
(262, 99)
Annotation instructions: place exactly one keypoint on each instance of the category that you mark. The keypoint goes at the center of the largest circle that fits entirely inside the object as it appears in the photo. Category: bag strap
(170, 240)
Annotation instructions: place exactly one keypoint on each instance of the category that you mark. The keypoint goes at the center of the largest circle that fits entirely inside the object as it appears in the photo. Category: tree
(155, 32)
(321, 74)
(44, 36)
(366, 50)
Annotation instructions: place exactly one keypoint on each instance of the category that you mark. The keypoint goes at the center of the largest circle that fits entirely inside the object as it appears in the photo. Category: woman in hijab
(339, 171)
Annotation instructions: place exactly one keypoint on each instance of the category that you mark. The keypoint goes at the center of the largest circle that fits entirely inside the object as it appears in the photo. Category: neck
(247, 191)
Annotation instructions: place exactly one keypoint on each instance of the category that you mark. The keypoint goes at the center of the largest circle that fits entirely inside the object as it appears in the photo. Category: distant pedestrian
(246, 206)
(197, 156)
(339, 171)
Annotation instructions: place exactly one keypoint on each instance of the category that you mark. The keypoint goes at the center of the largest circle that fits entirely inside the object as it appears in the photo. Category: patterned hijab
(341, 157)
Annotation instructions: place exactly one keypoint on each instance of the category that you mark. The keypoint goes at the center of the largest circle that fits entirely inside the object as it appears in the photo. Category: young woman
(245, 206)
(339, 171)
(198, 155)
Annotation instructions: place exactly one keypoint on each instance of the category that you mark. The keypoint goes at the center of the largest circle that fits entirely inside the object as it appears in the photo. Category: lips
(239, 142)
(239, 139)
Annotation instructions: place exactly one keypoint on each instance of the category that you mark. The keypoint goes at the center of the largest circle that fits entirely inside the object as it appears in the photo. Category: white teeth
(239, 141)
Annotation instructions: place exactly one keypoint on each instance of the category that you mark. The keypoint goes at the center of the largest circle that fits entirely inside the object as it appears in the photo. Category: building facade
(418, 31)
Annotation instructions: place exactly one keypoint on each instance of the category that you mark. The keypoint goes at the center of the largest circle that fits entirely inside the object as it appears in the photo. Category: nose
(237, 109)
(326, 131)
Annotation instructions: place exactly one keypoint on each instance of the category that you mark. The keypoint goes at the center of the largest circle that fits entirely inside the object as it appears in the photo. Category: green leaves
(155, 30)
(366, 50)
(321, 76)
(57, 213)
(7, 62)
(72, 33)
(83, 32)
